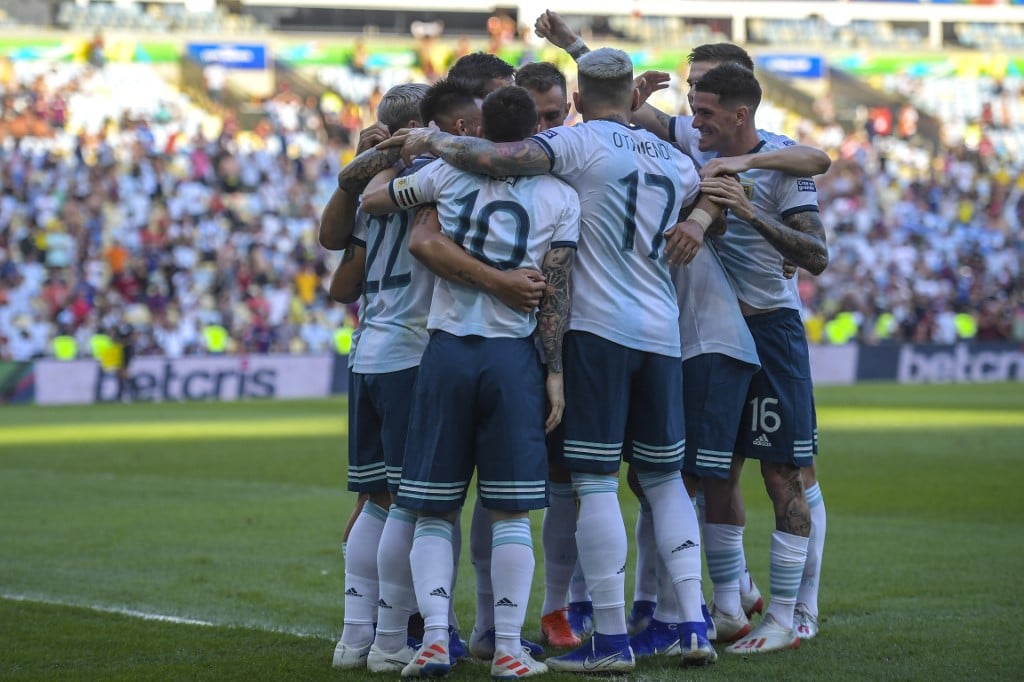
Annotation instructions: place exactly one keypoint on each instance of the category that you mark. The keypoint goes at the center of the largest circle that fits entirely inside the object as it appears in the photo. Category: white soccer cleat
(804, 624)
(380, 661)
(509, 667)
(348, 656)
(728, 628)
(768, 636)
(752, 602)
(429, 661)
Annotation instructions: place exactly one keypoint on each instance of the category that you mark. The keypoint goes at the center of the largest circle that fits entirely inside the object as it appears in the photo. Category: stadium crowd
(202, 237)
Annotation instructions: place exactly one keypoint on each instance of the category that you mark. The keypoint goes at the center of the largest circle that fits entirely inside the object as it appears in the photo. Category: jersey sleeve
(684, 136)
(564, 149)
(795, 195)
(421, 187)
(567, 231)
(359, 229)
(774, 140)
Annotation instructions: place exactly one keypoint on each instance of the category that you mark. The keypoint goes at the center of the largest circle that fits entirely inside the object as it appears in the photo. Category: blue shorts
(478, 403)
(778, 417)
(621, 403)
(714, 392)
(378, 421)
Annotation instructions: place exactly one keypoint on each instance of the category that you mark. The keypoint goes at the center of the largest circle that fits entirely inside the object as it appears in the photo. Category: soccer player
(382, 370)
(725, 507)
(547, 86)
(482, 72)
(623, 333)
(769, 214)
(479, 402)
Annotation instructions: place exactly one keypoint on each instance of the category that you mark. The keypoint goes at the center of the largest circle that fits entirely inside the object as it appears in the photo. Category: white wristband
(701, 217)
(575, 50)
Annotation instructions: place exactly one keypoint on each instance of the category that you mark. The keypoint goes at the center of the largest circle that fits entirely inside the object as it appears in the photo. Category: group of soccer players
(539, 304)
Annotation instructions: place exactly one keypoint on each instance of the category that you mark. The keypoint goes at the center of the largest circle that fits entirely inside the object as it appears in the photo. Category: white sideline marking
(145, 615)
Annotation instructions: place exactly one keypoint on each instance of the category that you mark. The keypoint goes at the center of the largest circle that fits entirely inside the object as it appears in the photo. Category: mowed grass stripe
(172, 430)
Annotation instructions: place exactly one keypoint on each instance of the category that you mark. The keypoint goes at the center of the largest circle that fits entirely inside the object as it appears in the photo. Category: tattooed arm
(551, 321)
(354, 177)
(472, 153)
(800, 238)
(338, 218)
(520, 289)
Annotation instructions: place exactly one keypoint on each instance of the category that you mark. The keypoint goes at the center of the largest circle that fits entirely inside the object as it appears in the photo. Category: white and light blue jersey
(710, 320)
(507, 223)
(753, 264)
(396, 295)
(632, 187)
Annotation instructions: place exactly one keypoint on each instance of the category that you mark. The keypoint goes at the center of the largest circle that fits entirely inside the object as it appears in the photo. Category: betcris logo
(960, 363)
(229, 55)
(793, 65)
(166, 383)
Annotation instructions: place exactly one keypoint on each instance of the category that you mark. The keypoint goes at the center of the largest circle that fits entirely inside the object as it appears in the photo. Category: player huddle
(541, 303)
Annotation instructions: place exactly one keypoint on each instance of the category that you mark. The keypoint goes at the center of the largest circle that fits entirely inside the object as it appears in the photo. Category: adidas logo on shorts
(763, 441)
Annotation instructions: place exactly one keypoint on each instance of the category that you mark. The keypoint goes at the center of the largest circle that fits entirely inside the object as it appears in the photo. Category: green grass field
(202, 541)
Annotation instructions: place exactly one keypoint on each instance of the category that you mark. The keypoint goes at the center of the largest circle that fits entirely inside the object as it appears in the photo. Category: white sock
(480, 552)
(512, 576)
(397, 597)
(558, 532)
(678, 538)
(361, 582)
(601, 541)
(456, 559)
(578, 591)
(809, 583)
(432, 573)
(667, 608)
(786, 561)
(722, 543)
(645, 583)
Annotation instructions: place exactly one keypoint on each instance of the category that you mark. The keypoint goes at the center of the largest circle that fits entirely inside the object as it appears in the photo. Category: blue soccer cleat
(657, 639)
(602, 654)
(694, 645)
(639, 616)
(581, 618)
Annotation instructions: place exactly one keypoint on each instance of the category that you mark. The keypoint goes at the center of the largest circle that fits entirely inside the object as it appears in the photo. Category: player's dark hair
(478, 69)
(508, 115)
(722, 53)
(734, 85)
(445, 100)
(540, 77)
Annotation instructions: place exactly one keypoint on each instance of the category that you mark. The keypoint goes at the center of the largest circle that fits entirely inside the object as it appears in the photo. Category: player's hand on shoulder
(649, 82)
(682, 242)
(412, 141)
(372, 136)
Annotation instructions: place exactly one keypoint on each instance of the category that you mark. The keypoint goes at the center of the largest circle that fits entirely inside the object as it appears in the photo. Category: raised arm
(552, 26)
(551, 321)
(798, 160)
(338, 217)
(519, 289)
(800, 237)
(472, 153)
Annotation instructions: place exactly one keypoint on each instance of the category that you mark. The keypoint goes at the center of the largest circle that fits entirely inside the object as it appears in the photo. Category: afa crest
(748, 188)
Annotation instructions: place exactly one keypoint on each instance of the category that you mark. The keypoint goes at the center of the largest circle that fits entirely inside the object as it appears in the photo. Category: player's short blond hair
(606, 75)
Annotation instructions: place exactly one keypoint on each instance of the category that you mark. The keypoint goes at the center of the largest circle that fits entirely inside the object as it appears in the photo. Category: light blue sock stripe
(813, 495)
(433, 526)
(403, 515)
(652, 479)
(511, 532)
(785, 582)
(375, 510)
(590, 484)
(560, 489)
(724, 566)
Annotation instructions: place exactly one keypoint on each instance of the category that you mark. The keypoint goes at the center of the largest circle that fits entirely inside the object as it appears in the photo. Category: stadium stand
(124, 200)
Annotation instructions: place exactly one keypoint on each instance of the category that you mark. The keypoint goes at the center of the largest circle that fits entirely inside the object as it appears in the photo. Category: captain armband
(405, 191)
(701, 217)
